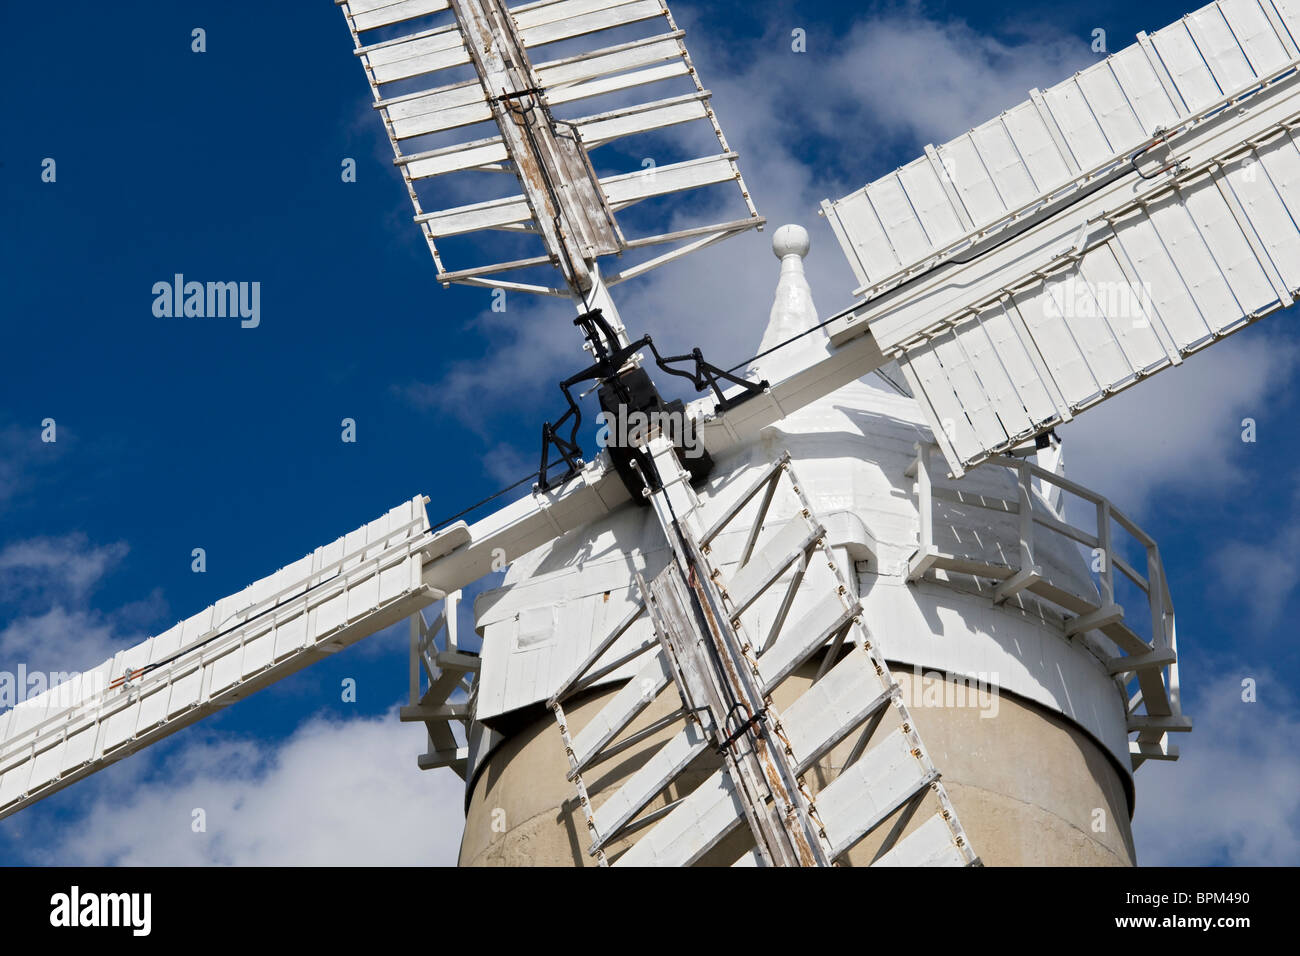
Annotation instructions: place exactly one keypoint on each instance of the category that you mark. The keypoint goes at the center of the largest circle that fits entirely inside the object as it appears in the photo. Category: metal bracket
(613, 369)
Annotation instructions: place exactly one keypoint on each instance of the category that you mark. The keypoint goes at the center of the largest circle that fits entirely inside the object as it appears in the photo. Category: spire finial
(793, 310)
(791, 240)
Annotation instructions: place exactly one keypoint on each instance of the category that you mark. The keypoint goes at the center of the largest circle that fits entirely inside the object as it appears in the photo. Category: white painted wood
(1142, 87)
(644, 118)
(964, 167)
(930, 844)
(1288, 12)
(538, 31)
(1034, 142)
(1124, 310)
(1271, 196)
(1103, 304)
(537, 16)
(967, 383)
(864, 795)
(998, 324)
(1110, 106)
(1008, 170)
(1231, 254)
(369, 15)
(834, 707)
(1220, 49)
(1254, 30)
(907, 236)
(417, 56)
(1083, 137)
(694, 826)
(470, 156)
(562, 201)
(650, 779)
(637, 694)
(1077, 305)
(790, 542)
(556, 75)
(1098, 116)
(800, 639)
(1144, 245)
(925, 376)
(438, 111)
(994, 381)
(862, 235)
(629, 188)
(621, 191)
(616, 83)
(930, 203)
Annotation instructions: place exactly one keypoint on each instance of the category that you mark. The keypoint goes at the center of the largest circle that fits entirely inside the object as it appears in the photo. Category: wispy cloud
(47, 618)
(24, 458)
(1181, 430)
(1261, 572)
(335, 792)
(923, 80)
(67, 566)
(1233, 797)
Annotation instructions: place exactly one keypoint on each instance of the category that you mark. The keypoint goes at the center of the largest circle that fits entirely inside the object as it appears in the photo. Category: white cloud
(336, 793)
(11, 441)
(1181, 430)
(45, 588)
(24, 457)
(1234, 794)
(934, 79)
(1262, 573)
(65, 564)
(60, 639)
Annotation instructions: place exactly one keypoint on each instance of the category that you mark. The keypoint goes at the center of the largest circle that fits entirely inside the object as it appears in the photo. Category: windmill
(701, 650)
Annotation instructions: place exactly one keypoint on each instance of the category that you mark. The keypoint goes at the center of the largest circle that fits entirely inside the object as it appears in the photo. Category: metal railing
(439, 673)
(1154, 706)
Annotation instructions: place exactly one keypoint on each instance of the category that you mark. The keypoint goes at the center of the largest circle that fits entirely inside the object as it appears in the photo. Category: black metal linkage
(611, 358)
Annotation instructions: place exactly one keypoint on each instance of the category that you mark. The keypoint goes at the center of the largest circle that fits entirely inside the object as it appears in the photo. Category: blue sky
(175, 434)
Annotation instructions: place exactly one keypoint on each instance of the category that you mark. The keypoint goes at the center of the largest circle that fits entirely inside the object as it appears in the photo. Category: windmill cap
(791, 240)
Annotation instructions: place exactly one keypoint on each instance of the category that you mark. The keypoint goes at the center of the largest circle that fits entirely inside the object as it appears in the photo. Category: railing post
(415, 658)
(1156, 592)
(450, 608)
(1024, 494)
(1175, 694)
(924, 502)
(1107, 561)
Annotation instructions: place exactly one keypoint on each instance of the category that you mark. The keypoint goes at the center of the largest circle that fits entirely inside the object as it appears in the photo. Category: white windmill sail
(1091, 236)
(356, 586)
(333, 597)
(533, 65)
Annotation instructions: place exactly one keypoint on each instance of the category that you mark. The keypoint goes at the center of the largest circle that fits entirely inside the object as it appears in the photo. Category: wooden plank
(863, 796)
(369, 15)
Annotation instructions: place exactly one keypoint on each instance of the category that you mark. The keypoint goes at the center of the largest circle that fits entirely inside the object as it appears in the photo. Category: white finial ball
(791, 240)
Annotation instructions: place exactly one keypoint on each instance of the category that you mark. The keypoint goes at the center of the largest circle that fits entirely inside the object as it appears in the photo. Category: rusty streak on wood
(554, 171)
